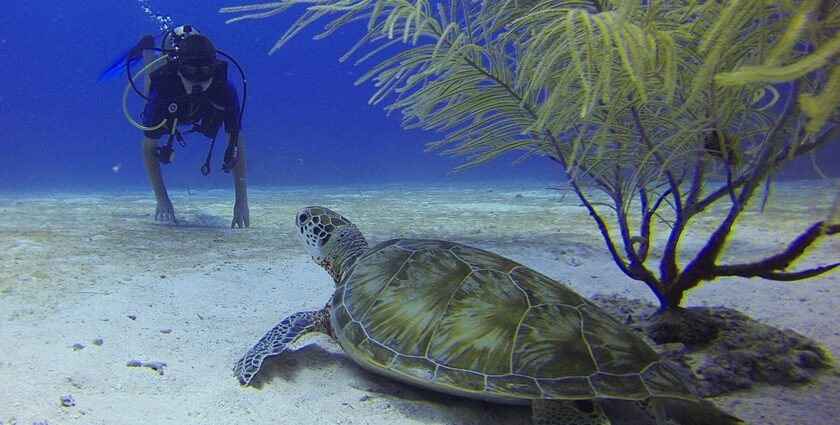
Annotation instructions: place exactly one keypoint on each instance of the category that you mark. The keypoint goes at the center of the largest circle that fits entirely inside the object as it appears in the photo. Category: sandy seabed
(90, 282)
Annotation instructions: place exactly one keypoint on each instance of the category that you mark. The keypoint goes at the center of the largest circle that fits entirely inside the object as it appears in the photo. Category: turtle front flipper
(568, 412)
(277, 340)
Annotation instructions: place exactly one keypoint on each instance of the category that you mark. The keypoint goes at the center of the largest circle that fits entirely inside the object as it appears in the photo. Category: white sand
(74, 267)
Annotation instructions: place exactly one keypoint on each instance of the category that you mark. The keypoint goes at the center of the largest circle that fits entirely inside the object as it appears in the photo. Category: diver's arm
(164, 210)
(241, 213)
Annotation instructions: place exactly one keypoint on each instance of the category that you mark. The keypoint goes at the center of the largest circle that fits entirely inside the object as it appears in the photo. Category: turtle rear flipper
(568, 412)
(278, 339)
(700, 412)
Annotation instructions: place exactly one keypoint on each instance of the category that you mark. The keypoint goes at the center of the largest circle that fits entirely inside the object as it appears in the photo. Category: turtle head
(332, 240)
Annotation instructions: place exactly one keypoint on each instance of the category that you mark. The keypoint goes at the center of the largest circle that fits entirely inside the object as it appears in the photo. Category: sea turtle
(468, 322)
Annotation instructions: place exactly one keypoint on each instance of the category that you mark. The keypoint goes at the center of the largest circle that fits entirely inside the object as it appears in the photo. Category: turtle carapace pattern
(468, 322)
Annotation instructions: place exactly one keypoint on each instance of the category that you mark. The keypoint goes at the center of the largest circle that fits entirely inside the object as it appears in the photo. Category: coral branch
(615, 96)
(794, 276)
(768, 268)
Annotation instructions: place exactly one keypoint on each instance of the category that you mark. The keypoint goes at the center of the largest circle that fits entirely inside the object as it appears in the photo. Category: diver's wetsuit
(219, 103)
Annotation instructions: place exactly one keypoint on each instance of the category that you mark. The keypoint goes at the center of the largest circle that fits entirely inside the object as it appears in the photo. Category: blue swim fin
(117, 67)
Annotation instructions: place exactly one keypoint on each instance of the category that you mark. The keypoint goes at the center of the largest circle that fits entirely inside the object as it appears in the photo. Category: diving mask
(197, 71)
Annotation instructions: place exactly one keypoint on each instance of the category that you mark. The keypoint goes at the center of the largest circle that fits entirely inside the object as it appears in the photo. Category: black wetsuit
(206, 111)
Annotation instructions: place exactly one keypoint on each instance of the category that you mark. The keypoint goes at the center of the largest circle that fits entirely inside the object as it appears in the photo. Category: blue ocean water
(305, 121)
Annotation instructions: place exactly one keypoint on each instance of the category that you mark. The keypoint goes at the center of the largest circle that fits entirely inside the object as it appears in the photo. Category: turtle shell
(469, 322)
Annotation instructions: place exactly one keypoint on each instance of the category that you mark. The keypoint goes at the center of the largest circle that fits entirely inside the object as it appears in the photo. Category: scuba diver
(187, 85)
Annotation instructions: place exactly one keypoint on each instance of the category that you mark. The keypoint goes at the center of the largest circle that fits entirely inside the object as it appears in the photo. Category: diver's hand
(241, 215)
(165, 211)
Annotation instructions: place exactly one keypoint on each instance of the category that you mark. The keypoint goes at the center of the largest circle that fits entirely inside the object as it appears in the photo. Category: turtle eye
(323, 241)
